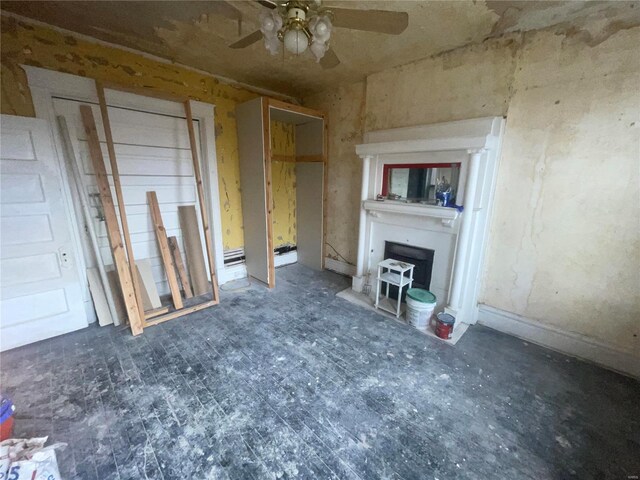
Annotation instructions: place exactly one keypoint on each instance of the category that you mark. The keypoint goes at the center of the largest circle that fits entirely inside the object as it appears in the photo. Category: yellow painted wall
(283, 181)
(25, 43)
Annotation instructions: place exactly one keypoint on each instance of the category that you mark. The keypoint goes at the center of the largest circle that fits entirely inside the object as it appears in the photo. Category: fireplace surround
(422, 258)
(456, 236)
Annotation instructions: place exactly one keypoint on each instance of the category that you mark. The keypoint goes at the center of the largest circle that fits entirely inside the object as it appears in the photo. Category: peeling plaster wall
(565, 238)
(283, 183)
(564, 246)
(346, 122)
(24, 43)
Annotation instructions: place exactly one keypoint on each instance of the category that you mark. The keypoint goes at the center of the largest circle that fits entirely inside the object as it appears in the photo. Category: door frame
(45, 85)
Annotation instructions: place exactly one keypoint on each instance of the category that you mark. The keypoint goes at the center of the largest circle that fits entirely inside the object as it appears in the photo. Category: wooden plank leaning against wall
(113, 230)
(127, 275)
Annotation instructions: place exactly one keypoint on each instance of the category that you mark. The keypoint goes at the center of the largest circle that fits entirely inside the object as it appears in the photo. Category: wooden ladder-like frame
(125, 265)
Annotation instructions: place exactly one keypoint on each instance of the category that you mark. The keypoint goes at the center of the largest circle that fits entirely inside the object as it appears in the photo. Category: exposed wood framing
(284, 158)
(156, 312)
(134, 312)
(279, 104)
(177, 261)
(106, 124)
(325, 197)
(266, 135)
(180, 313)
(127, 277)
(165, 251)
(310, 158)
(267, 104)
(202, 200)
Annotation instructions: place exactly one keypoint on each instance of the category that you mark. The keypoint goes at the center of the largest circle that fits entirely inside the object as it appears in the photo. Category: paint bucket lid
(446, 318)
(421, 295)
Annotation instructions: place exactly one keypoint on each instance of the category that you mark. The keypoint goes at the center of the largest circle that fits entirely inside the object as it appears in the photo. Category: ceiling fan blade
(330, 60)
(382, 21)
(268, 3)
(248, 40)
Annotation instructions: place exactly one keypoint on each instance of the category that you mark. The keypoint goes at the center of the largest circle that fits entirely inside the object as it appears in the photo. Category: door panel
(40, 290)
(309, 215)
(252, 178)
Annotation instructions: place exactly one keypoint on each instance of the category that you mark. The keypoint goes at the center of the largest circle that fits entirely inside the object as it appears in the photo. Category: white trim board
(343, 268)
(285, 258)
(559, 340)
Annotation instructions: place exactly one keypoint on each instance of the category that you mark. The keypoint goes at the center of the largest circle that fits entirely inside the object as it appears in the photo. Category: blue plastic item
(6, 408)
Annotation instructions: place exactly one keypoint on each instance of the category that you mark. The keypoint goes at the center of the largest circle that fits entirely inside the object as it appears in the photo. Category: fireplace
(422, 258)
(391, 227)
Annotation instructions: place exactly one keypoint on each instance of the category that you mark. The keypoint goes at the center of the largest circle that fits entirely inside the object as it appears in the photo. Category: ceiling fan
(302, 24)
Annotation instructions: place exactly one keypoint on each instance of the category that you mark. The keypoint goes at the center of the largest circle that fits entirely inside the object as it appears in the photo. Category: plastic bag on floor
(29, 459)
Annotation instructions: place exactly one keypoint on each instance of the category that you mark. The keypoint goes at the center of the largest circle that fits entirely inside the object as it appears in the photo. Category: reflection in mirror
(431, 184)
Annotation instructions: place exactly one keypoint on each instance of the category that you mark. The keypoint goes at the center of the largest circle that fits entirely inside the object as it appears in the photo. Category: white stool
(392, 272)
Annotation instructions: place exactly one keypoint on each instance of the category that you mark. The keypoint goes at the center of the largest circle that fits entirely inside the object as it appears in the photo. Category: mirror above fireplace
(420, 182)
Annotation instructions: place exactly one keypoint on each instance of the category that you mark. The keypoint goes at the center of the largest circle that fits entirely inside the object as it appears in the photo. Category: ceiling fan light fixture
(320, 27)
(270, 24)
(318, 49)
(296, 41)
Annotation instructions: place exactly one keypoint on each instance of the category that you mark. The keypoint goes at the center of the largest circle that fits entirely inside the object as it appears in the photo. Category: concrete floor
(297, 383)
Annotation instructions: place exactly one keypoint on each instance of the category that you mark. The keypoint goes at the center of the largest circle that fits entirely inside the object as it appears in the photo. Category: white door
(40, 290)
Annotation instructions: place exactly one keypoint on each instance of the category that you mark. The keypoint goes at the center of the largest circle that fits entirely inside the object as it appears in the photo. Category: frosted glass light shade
(318, 49)
(296, 41)
(268, 24)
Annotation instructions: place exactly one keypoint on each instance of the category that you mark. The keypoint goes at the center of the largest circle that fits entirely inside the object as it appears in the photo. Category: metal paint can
(444, 325)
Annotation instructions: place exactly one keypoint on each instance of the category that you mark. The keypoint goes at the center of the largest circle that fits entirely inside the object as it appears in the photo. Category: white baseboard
(232, 272)
(554, 338)
(285, 259)
(339, 267)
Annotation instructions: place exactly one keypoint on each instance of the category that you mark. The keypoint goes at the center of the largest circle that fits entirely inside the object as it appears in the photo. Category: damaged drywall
(24, 43)
(564, 248)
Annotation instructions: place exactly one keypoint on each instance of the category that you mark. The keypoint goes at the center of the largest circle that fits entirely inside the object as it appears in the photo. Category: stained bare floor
(297, 383)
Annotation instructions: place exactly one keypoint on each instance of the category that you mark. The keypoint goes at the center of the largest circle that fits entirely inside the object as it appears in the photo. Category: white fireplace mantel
(446, 215)
(458, 238)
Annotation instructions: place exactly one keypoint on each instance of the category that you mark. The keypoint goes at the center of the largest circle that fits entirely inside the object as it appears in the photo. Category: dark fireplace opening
(422, 258)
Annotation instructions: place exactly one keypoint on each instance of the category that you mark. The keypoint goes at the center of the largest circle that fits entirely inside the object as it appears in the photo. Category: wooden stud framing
(325, 199)
(156, 312)
(279, 104)
(284, 158)
(106, 124)
(180, 313)
(177, 261)
(132, 294)
(202, 200)
(267, 104)
(266, 139)
(134, 311)
(165, 251)
(310, 158)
